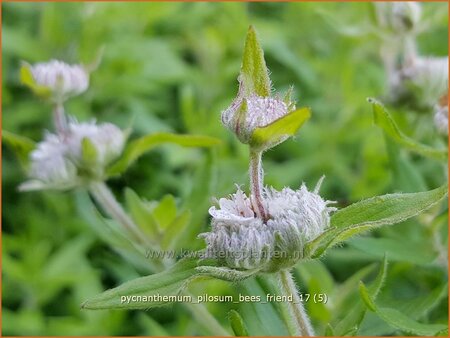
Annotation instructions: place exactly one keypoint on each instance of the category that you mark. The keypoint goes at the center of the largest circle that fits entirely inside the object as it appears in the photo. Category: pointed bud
(255, 116)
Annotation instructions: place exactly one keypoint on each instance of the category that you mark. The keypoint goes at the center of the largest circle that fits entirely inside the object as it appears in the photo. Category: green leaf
(370, 214)
(378, 283)
(137, 148)
(406, 176)
(227, 274)
(175, 229)
(170, 282)
(254, 75)
(316, 247)
(165, 211)
(387, 209)
(384, 120)
(21, 146)
(419, 307)
(398, 320)
(112, 233)
(142, 214)
(89, 153)
(26, 77)
(344, 291)
(329, 332)
(237, 324)
(272, 134)
(265, 316)
(416, 252)
(352, 321)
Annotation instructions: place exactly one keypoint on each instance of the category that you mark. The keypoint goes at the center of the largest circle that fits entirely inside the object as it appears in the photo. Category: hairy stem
(109, 204)
(298, 321)
(256, 184)
(59, 118)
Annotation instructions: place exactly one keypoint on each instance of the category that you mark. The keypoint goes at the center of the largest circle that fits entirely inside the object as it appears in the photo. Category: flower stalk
(256, 184)
(59, 118)
(298, 321)
(103, 195)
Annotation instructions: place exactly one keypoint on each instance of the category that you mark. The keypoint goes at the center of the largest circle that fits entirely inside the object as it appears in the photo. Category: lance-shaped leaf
(397, 319)
(237, 324)
(352, 321)
(165, 286)
(266, 137)
(254, 75)
(131, 295)
(20, 145)
(384, 120)
(137, 148)
(388, 209)
(372, 213)
(142, 214)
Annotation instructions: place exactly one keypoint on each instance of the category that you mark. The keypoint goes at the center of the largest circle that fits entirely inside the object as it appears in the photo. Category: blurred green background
(173, 67)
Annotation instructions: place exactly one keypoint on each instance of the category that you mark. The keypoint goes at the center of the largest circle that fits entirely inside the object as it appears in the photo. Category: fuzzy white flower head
(50, 169)
(242, 240)
(63, 80)
(59, 161)
(107, 139)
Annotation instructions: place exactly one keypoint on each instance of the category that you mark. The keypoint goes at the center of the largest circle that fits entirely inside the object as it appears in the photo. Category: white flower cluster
(261, 111)
(58, 163)
(62, 79)
(107, 139)
(245, 241)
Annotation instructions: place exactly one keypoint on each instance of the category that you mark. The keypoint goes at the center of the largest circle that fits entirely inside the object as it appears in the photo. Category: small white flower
(244, 241)
(49, 168)
(62, 79)
(107, 139)
(57, 162)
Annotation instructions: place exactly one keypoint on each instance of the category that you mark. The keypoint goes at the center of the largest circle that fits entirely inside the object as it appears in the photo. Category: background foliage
(173, 67)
